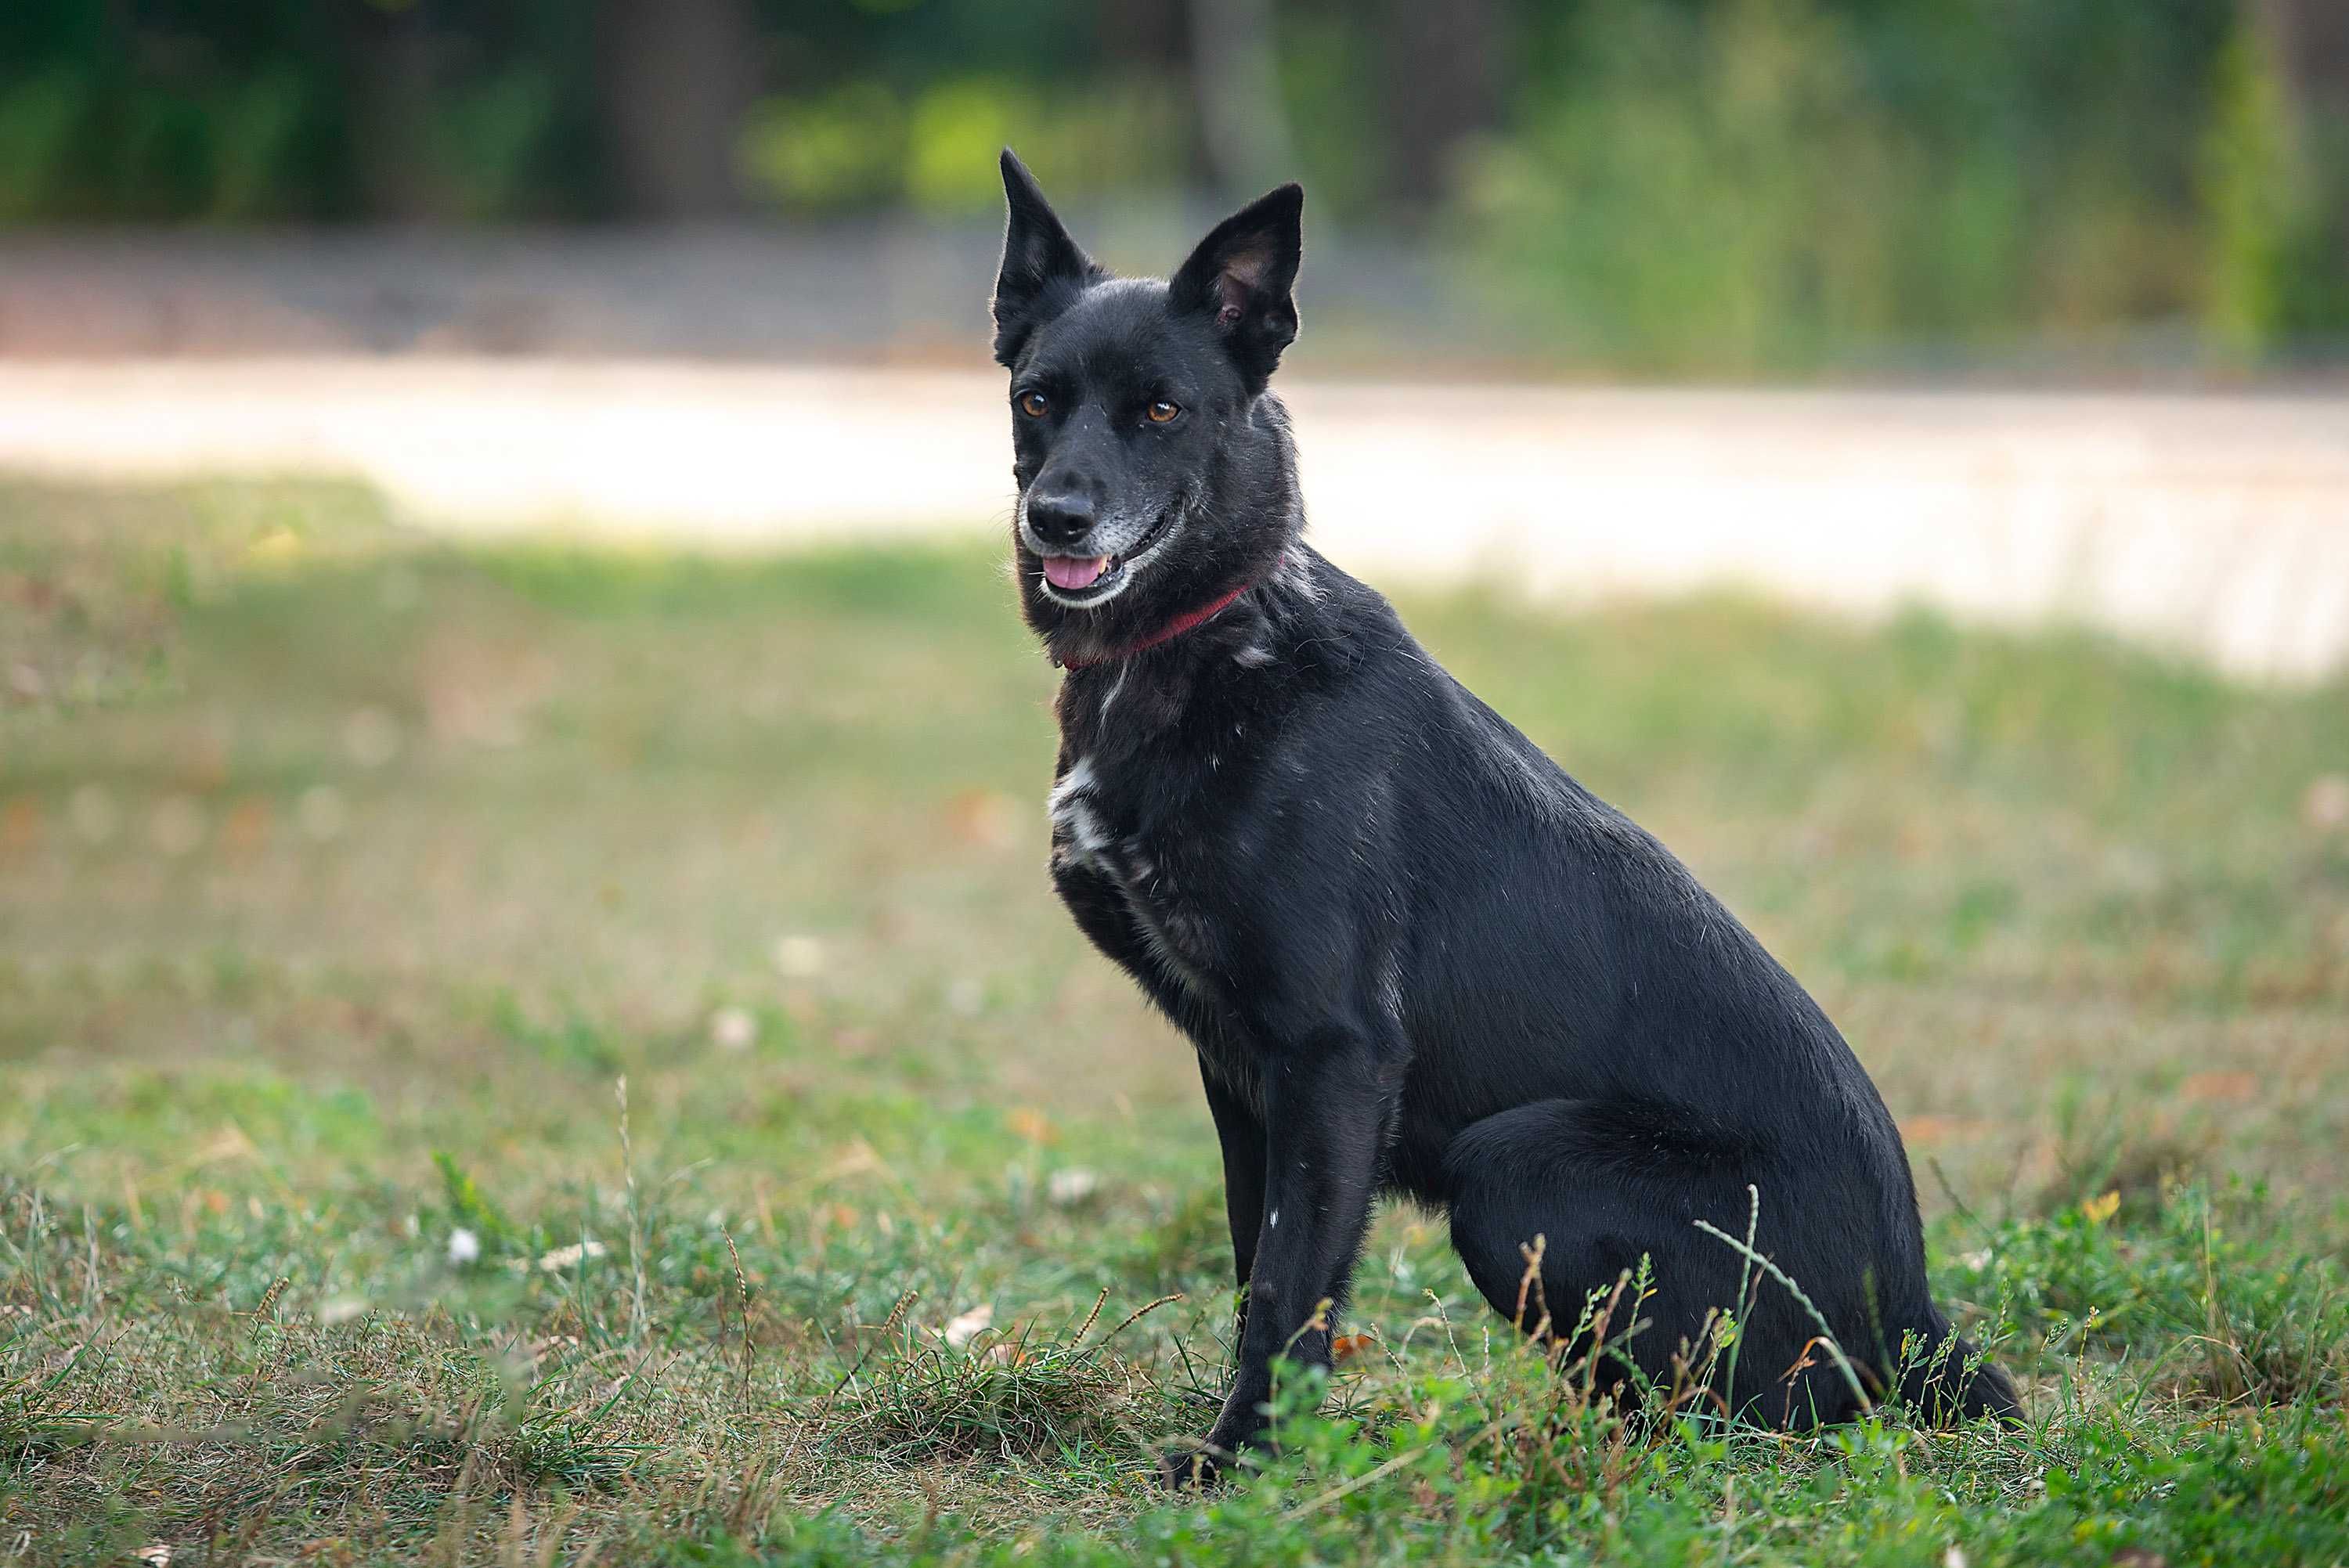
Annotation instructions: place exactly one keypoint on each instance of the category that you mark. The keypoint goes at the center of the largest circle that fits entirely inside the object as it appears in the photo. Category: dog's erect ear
(1041, 265)
(1244, 274)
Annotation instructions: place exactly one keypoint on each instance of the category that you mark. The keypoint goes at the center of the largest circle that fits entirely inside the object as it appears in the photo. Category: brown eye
(1032, 404)
(1162, 412)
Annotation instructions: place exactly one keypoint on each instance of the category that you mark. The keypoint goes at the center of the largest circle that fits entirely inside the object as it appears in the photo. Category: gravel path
(2217, 525)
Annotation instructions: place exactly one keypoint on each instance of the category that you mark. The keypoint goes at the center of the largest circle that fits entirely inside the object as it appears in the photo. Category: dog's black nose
(1061, 519)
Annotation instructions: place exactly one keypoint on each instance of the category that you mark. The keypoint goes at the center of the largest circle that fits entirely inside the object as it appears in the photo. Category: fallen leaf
(1931, 1129)
(859, 1159)
(572, 1256)
(961, 1329)
(2326, 806)
(984, 818)
(245, 833)
(20, 825)
(2220, 1086)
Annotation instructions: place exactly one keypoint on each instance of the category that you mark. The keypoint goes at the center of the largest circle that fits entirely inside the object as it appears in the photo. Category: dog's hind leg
(1601, 1190)
(1951, 1383)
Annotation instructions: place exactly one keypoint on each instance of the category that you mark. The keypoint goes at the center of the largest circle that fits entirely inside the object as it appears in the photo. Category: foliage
(1766, 183)
(1692, 186)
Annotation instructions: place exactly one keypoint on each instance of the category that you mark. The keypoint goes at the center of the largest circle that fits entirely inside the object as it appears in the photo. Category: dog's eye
(1162, 412)
(1032, 404)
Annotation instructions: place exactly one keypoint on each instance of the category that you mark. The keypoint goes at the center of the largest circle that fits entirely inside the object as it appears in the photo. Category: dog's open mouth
(1082, 580)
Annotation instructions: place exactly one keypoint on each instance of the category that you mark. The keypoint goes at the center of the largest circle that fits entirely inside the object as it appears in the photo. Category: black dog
(1414, 956)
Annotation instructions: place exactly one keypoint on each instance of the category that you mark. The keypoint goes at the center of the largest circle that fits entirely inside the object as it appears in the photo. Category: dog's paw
(1195, 1467)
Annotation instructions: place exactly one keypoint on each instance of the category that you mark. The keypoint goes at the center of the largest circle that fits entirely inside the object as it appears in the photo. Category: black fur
(1415, 957)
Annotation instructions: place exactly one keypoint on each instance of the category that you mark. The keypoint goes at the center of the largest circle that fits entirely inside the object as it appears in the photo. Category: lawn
(522, 1054)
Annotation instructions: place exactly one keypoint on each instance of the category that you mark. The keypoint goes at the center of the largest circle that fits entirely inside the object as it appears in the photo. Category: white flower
(961, 1330)
(572, 1256)
(464, 1247)
(1066, 1189)
(733, 1029)
(800, 957)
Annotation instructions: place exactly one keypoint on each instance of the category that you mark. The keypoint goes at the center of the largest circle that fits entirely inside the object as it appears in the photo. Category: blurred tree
(1743, 184)
(1441, 69)
(1148, 41)
(1704, 185)
(2309, 40)
(675, 78)
(1235, 65)
(388, 61)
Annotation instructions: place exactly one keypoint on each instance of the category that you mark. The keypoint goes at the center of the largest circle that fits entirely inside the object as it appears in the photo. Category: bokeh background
(1707, 187)
(502, 509)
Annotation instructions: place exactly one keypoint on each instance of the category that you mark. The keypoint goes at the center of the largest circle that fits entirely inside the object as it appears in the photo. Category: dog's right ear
(1042, 267)
(1244, 276)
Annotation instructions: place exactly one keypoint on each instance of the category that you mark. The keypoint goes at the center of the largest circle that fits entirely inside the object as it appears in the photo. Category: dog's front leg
(1328, 1105)
(1243, 1139)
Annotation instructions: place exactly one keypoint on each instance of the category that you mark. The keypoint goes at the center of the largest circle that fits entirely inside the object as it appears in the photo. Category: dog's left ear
(1244, 274)
(1042, 267)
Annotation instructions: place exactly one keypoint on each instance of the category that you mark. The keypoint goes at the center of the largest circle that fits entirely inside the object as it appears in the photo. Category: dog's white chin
(1120, 577)
(1089, 599)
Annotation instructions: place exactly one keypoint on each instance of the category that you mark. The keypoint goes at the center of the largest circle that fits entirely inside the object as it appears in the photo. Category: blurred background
(1685, 187)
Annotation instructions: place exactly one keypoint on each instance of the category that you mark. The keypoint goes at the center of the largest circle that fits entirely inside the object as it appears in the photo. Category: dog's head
(1154, 469)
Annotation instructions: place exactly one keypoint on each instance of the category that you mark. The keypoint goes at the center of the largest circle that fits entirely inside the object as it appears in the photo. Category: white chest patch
(1082, 838)
(1077, 831)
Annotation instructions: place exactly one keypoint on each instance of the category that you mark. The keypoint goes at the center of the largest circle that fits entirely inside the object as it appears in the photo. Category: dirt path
(2214, 524)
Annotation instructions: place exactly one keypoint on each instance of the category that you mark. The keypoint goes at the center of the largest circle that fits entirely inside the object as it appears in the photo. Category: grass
(346, 873)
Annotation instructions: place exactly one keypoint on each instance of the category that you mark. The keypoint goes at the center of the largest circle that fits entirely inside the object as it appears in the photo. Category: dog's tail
(1952, 1382)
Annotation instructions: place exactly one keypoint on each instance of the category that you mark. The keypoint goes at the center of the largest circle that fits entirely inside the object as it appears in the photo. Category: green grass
(343, 873)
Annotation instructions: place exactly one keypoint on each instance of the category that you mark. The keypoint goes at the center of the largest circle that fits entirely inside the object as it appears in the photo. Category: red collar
(1187, 621)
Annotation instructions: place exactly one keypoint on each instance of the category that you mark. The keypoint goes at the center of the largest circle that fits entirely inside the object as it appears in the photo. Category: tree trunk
(2310, 38)
(389, 55)
(675, 78)
(1443, 68)
(1236, 68)
(2308, 41)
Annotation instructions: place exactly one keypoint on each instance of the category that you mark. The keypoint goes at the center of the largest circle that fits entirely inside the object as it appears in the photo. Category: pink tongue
(1074, 572)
